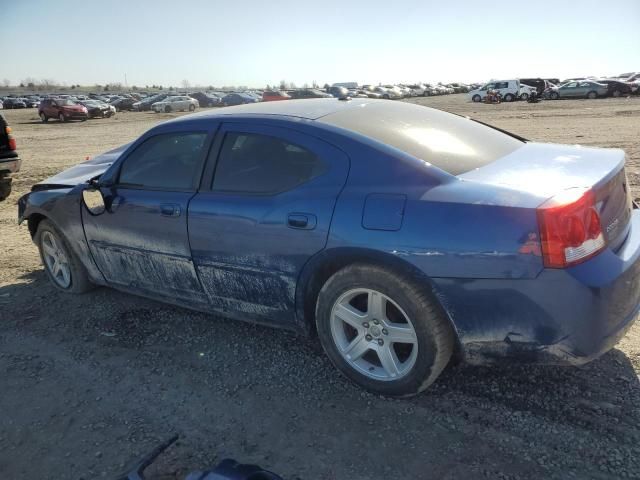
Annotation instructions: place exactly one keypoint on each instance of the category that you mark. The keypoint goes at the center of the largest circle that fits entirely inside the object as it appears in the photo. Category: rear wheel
(476, 98)
(592, 95)
(381, 331)
(167, 109)
(524, 97)
(64, 270)
(43, 117)
(61, 118)
(192, 107)
(5, 187)
(509, 97)
(554, 95)
(616, 93)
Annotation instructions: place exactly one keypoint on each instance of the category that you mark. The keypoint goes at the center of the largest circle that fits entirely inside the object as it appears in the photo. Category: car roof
(310, 109)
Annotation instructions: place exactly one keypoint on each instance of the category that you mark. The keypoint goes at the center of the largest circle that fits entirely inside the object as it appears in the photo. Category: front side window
(169, 161)
(261, 164)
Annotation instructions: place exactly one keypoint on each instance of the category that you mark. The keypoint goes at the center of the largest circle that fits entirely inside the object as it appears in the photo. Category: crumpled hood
(83, 172)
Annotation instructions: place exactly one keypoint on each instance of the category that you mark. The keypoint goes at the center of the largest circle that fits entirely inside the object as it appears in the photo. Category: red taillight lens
(12, 143)
(570, 230)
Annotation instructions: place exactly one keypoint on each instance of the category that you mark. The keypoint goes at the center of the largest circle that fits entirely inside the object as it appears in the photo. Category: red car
(274, 95)
(63, 109)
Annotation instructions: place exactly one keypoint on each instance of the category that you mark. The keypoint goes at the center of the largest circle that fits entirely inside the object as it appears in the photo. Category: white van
(509, 89)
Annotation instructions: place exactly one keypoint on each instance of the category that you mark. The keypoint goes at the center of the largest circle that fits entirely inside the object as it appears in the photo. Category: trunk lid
(545, 170)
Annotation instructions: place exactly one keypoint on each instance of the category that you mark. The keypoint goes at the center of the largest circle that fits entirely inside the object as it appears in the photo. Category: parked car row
(592, 87)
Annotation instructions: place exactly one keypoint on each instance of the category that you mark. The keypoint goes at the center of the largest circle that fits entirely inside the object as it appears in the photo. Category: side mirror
(93, 200)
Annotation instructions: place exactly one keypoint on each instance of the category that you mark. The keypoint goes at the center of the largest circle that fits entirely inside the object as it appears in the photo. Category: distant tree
(106, 87)
(73, 87)
(31, 85)
(305, 85)
(171, 89)
(314, 84)
(159, 87)
(283, 85)
(134, 88)
(6, 82)
(186, 84)
(327, 86)
(21, 85)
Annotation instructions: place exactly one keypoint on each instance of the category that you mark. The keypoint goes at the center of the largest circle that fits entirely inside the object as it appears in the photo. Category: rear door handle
(170, 210)
(302, 221)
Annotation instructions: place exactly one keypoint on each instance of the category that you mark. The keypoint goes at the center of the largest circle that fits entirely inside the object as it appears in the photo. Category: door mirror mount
(93, 200)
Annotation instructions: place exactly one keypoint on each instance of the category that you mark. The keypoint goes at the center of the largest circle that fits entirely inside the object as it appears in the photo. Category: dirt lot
(88, 383)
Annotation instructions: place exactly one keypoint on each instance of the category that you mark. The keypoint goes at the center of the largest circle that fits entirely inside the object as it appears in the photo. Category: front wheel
(476, 98)
(167, 109)
(509, 97)
(524, 97)
(192, 108)
(64, 270)
(592, 95)
(43, 117)
(62, 118)
(382, 331)
(616, 93)
(554, 95)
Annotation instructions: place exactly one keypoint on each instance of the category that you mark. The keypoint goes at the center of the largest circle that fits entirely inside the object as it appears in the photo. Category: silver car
(176, 104)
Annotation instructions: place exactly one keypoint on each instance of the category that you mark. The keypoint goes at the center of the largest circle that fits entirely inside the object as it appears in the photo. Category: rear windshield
(452, 143)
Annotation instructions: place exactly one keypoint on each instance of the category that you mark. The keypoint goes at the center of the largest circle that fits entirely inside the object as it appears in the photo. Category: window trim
(196, 182)
(213, 158)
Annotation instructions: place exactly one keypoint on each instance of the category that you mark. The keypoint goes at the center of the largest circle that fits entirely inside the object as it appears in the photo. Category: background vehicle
(308, 93)
(62, 109)
(616, 88)
(145, 104)
(275, 95)
(206, 99)
(175, 104)
(10, 103)
(238, 99)
(338, 92)
(539, 84)
(98, 109)
(9, 160)
(123, 103)
(330, 188)
(508, 89)
(578, 89)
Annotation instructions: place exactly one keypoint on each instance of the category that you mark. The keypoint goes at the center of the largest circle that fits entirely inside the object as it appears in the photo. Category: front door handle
(170, 210)
(302, 221)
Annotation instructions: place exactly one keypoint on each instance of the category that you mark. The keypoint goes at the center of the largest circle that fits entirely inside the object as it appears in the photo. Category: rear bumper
(10, 165)
(567, 316)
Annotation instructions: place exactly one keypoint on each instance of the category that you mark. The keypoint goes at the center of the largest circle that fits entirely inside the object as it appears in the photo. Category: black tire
(476, 98)
(62, 118)
(5, 187)
(524, 97)
(44, 117)
(79, 278)
(386, 96)
(192, 107)
(509, 97)
(616, 93)
(591, 95)
(167, 109)
(435, 336)
(554, 95)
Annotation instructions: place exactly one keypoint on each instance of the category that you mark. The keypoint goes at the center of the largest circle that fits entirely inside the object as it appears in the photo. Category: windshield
(63, 102)
(450, 142)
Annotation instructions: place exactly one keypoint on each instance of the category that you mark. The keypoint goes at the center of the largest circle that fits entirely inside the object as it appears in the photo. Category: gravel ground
(88, 383)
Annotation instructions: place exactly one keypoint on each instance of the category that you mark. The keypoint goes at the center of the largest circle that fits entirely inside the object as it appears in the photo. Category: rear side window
(452, 143)
(261, 164)
(169, 161)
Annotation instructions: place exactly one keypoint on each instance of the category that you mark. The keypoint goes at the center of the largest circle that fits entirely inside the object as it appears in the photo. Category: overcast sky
(257, 42)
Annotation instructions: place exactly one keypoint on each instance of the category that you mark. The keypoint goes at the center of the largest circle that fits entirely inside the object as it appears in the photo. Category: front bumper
(564, 316)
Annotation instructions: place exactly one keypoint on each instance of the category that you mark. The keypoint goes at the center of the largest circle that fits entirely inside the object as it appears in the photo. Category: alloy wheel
(55, 260)
(373, 334)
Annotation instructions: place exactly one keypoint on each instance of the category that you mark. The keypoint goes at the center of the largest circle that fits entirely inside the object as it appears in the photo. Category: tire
(192, 107)
(167, 109)
(554, 95)
(616, 93)
(509, 97)
(386, 96)
(476, 98)
(5, 187)
(591, 95)
(78, 281)
(61, 118)
(43, 117)
(524, 97)
(415, 363)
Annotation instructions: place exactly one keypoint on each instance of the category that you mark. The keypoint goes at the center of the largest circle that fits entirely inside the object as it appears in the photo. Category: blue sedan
(400, 237)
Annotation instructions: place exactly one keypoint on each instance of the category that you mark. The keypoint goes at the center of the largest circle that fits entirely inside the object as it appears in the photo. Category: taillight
(570, 230)
(12, 141)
